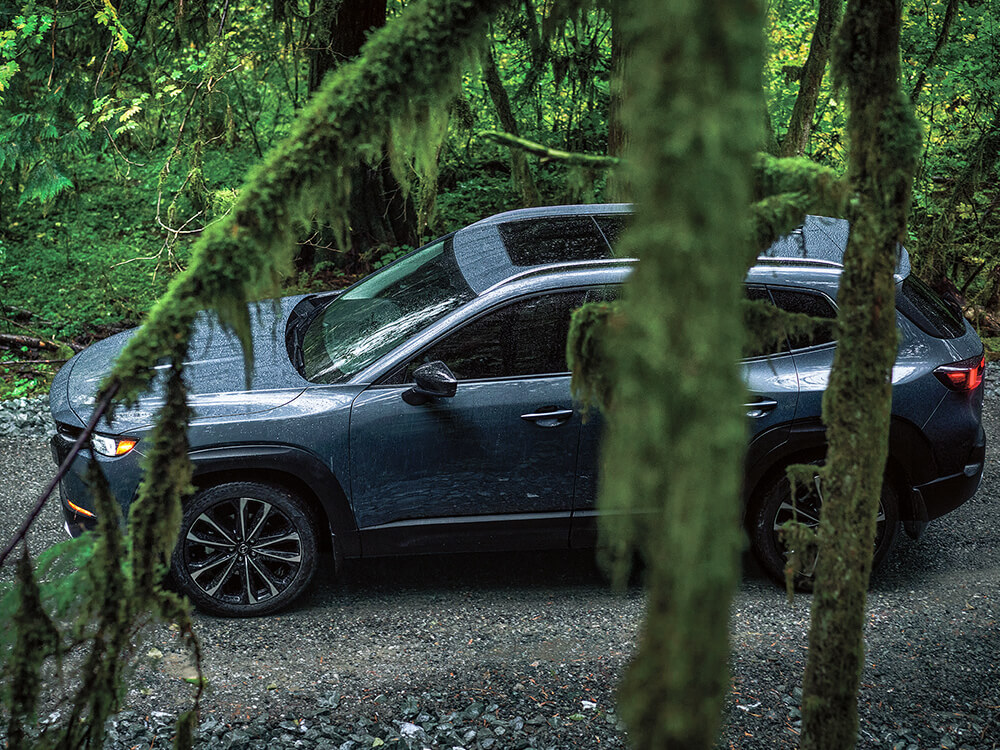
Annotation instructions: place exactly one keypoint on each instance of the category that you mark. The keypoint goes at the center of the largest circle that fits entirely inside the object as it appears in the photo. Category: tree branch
(552, 154)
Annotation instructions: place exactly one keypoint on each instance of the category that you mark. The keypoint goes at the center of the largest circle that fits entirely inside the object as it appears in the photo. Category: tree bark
(621, 50)
(519, 170)
(677, 431)
(800, 125)
(885, 140)
(381, 215)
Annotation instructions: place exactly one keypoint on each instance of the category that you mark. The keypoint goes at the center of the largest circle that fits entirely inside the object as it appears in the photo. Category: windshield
(382, 311)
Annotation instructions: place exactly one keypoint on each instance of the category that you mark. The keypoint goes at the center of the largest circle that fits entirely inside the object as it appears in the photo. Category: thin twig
(63, 470)
(118, 150)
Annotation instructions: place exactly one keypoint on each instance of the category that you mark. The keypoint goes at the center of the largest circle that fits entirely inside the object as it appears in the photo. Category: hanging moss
(405, 72)
(785, 190)
(405, 68)
(37, 639)
(589, 359)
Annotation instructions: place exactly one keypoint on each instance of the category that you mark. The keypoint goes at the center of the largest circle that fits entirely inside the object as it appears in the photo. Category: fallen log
(10, 340)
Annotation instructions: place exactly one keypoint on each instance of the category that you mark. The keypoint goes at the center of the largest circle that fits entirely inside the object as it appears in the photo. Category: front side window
(522, 339)
(382, 311)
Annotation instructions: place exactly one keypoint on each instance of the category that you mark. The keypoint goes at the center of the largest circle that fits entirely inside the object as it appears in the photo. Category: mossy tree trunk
(884, 140)
(677, 433)
(520, 172)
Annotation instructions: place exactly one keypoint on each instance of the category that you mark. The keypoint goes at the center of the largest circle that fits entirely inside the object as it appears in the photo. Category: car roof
(821, 241)
(486, 263)
(483, 256)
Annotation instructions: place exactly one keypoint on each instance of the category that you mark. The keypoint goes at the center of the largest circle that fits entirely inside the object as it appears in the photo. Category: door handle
(760, 407)
(548, 416)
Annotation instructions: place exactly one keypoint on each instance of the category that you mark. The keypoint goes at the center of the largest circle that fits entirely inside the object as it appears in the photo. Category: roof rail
(794, 261)
(567, 265)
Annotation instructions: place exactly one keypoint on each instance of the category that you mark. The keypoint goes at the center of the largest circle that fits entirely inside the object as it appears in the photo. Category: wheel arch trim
(288, 466)
(911, 458)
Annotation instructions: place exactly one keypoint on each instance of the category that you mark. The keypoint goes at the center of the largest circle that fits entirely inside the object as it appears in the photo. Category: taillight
(963, 376)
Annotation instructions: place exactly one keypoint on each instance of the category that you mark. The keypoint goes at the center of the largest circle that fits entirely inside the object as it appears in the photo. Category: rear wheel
(774, 507)
(245, 549)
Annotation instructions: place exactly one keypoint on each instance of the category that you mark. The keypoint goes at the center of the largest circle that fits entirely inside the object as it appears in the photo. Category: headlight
(109, 446)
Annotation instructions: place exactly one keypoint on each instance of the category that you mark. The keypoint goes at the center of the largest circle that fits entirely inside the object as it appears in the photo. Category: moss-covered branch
(787, 189)
(405, 68)
(543, 152)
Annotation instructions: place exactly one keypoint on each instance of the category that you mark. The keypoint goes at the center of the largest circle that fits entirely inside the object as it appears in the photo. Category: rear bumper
(942, 495)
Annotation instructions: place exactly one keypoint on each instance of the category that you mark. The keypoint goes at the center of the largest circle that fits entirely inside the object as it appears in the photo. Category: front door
(491, 467)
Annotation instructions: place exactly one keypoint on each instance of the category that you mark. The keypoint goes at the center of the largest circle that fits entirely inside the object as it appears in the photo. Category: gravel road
(525, 651)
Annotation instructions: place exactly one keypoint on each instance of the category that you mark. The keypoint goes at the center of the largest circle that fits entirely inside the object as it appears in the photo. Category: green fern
(44, 182)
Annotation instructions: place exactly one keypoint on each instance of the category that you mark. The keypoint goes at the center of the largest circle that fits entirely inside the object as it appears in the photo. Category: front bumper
(123, 475)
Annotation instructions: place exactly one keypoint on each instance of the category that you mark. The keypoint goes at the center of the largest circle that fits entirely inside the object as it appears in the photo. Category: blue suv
(427, 409)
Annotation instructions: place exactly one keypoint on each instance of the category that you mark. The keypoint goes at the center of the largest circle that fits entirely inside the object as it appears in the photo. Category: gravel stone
(490, 652)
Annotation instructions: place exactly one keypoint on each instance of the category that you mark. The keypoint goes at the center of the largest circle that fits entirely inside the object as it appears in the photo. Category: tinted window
(923, 306)
(809, 303)
(756, 344)
(608, 293)
(612, 226)
(554, 239)
(379, 313)
(524, 338)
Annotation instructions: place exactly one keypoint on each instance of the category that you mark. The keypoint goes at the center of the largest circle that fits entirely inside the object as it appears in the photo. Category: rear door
(770, 376)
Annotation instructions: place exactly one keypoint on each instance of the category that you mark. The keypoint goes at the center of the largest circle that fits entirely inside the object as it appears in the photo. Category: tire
(245, 549)
(773, 507)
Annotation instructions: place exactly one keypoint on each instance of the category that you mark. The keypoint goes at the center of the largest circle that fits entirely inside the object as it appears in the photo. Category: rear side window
(553, 239)
(924, 306)
(810, 303)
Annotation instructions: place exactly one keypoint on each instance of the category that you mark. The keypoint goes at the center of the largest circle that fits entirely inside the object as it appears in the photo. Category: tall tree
(380, 213)
(524, 182)
(676, 438)
(811, 76)
(884, 139)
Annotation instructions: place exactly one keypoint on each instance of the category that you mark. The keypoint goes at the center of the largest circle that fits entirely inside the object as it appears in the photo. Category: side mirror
(433, 380)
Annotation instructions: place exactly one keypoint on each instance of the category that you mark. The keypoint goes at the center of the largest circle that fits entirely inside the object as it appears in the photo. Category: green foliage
(234, 259)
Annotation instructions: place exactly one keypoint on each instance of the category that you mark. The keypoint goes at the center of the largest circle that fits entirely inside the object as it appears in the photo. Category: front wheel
(245, 549)
(774, 507)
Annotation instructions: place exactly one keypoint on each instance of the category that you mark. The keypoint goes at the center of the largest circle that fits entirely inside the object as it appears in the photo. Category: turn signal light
(963, 376)
(78, 509)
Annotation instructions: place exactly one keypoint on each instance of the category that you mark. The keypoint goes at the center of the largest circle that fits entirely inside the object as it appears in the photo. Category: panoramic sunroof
(553, 239)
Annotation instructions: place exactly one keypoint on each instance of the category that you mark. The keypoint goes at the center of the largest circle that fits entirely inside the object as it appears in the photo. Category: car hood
(214, 373)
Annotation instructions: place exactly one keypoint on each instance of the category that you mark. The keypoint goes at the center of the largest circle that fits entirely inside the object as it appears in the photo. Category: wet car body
(507, 462)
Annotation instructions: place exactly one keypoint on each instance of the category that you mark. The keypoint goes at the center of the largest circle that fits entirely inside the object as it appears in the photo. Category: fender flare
(290, 466)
